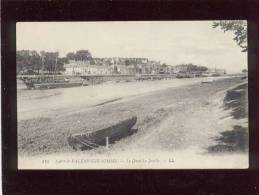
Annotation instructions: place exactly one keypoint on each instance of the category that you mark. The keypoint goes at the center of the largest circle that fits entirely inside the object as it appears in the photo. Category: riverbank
(235, 138)
(55, 102)
(174, 118)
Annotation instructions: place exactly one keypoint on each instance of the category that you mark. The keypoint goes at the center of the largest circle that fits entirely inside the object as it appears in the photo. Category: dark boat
(50, 82)
(208, 80)
(57, 85)
(84, 141)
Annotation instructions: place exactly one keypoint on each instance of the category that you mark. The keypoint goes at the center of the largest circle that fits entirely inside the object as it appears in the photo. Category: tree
(83, 55)
(27, 60)
(60, 64)
(202, 68)
(22, 59)
(35, 61)
(164, 65)
(127, 62)
(50, 61)
(31, 62)
(239, 27)
(71, 56)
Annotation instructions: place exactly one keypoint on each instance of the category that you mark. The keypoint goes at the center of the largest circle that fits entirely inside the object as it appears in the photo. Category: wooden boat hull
(97, 138)
(50, 82)
(57, 85)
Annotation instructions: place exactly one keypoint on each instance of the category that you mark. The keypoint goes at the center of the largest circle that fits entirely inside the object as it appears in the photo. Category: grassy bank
(236, 138)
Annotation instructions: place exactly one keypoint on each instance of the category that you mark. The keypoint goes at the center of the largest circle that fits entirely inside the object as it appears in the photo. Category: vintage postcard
(132, 95)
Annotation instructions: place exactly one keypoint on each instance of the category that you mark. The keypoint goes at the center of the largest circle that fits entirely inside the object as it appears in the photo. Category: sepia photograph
(132, 95)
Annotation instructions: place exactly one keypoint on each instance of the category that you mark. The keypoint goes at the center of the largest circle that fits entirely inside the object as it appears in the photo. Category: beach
(180, 116)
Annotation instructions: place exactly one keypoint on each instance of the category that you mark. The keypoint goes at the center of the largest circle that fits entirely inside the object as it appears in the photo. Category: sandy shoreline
(55, 102)
(181, 122)
(162, 104)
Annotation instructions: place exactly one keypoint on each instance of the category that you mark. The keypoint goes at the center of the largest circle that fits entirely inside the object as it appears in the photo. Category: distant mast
(56, 61)
(42, 66)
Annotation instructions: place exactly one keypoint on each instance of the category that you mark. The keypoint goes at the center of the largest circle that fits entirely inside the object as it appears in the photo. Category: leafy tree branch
(239, 27)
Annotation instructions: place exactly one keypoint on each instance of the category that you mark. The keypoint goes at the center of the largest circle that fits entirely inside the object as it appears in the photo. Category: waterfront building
(123, 66)
(124, 70)
(150, 67)
(180, 68)
(215, 72)
(85, 68)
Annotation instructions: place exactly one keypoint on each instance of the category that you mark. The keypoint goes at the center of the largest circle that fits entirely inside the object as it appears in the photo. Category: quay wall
(97, 79)
(100, 79)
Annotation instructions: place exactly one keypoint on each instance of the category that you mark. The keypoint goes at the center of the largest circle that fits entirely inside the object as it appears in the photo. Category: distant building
(141, 60)
(192, 69)
(171, 70)
(180, 68)
(215, 72)
(84, 68)
(75, 67)
(123, 66)
(166, 69)
(124, 70)
(150, 67)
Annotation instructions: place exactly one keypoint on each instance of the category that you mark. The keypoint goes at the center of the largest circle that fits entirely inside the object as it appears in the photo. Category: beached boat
(90, 140)
(56, 85)
(53, 80)
(208, 80)
(50, 82)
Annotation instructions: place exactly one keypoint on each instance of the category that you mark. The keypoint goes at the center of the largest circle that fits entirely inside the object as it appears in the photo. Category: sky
(170, 42)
